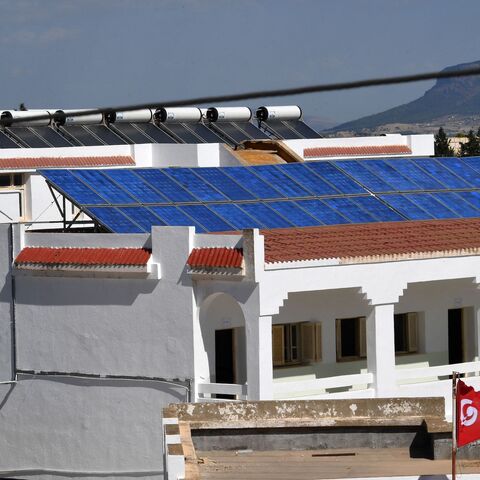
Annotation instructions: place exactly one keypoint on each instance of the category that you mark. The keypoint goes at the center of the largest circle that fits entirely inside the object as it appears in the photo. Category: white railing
(319, 385)
(432, 374)
(206, 390)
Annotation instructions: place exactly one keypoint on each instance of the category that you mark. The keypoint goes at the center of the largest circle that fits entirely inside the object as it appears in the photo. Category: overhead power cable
(282, 92)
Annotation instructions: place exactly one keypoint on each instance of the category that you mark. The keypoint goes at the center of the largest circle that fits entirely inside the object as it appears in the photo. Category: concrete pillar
(381, 350)
(258, 333)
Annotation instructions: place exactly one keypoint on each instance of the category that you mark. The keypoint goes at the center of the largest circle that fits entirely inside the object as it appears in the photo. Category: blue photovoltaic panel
(471, 197)
(165, 185)
(253, 183)
(211, 221)
(391, 175)
(407, 208)
(323, 212)
(73, 187)
(142, 216)
(115, 220)
(349, 209)
(143, 192)
(270, 218)
(460, 168)
(187, 178)
(173, 216)
(105, 187)
(305, 177)
(337, 178)
(449, 179)
(294, 214)
(377, 209)
(456, 203)
(408, 169)
(224, 184)
(432, 206)
(362, 174)
(473, 162)
(276, 177)
(234, 215)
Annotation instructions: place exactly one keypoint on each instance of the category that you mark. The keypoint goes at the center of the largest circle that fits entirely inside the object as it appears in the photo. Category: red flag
(468, 414)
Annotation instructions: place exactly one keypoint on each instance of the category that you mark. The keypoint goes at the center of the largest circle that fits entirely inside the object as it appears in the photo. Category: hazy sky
(89, 53)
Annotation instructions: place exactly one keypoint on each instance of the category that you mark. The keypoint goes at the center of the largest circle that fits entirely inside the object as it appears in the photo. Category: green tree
(471, 147)
(442, 144)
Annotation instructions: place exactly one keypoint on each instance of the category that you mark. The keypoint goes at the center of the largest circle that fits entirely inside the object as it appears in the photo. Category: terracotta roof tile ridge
(219, 257)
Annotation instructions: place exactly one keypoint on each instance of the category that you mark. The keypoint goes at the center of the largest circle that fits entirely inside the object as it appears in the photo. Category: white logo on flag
(468, 414)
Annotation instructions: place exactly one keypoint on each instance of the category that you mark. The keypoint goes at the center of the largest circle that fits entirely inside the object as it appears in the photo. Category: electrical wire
(282, 92)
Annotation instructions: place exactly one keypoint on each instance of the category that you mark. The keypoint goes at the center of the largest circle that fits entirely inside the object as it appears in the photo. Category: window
(294, 343)
(9, 180)
(351, 338)
(406, 332)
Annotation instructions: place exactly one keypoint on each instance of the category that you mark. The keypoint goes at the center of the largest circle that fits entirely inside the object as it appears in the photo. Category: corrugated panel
(47, 162)
(372, 239)
(83, 256)
(220, 257)
(354, 151)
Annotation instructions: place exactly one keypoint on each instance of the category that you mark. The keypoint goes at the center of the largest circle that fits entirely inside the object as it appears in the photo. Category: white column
(258, 333)
(381, 350)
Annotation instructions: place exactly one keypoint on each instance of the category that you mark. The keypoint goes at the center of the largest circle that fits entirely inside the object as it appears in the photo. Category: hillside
(458, 98)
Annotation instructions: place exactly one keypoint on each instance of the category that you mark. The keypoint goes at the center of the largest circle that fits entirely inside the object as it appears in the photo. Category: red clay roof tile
(220, 257)
(389, 238)
(83, 256)
(354, 151)
(48, 162)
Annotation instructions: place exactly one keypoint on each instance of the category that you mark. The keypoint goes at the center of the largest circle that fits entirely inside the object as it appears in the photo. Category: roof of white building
(19, 163)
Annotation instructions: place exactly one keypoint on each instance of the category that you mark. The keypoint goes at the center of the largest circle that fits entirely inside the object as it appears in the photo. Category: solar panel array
(275, 196)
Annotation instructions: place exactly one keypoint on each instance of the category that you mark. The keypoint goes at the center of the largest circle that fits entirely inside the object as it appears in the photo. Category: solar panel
(132, 133)
(431, 205)
(448, 178)
(193, 183)
(115, 220)
(308, 179)
(471, 197)
(407, 208)
(409, 169)
(7, 142)
(279, 179)
(52, 136)
(106, 135)
(234, 215)
(143, 217)
(302, 128)
(224, 183)
(377, 209)
(28, 137)
(460, 168)
(390, 175)
(251, 130)
(105, 187)
(349, 209)
(165, 185)
(294, 213)
(456, 203)
(81, 135)
(182, 132)
(281, 130)
(230, 132)
(203, 132)
(154, 132)
(334, 176)
(322, 212)
(252, 182)
(358, 170)
(270, 218)
(473, 162)
(172, 215)
(137, 187)
(210, 220)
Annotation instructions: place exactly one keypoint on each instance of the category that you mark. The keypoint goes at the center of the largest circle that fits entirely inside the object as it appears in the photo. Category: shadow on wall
(36, 290)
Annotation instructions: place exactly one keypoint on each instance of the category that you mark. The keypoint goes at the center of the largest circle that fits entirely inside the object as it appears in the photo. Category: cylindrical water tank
(62, 117)
(11, 114)
(178, 115)
(284, 112)
(229, 114)
(135, 116)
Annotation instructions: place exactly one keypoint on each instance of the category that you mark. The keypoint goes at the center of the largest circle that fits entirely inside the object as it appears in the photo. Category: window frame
(360, 339)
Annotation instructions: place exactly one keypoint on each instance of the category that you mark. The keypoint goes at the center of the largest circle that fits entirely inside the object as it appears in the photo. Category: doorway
(455, 336)
(225, 356)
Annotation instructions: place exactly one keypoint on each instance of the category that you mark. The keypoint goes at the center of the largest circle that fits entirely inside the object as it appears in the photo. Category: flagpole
(454, 425)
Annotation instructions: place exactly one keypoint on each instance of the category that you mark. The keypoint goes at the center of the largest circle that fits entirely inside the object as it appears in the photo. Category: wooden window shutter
(308, 342)
(362, 337)
(412, 332)
(318, 342)
(278, 341)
